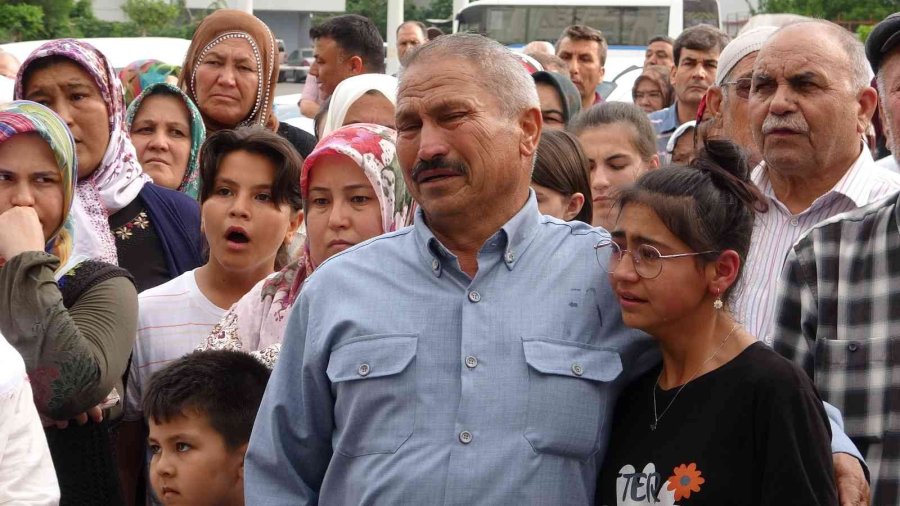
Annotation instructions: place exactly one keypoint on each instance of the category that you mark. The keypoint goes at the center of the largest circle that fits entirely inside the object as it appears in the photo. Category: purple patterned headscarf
(119, 178)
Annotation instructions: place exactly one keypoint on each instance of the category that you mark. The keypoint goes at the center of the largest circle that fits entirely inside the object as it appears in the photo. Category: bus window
(506, 25)
(698, 12)
(626, 26)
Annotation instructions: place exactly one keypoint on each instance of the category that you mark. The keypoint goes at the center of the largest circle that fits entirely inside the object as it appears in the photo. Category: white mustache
(793, 122)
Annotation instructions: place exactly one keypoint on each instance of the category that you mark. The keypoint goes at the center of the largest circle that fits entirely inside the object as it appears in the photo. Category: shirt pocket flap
(371, 357)
(572, 359)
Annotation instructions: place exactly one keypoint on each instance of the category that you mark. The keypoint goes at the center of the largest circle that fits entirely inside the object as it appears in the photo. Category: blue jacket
(177, 220)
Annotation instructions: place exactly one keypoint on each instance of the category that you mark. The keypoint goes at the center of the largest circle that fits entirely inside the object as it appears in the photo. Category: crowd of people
(478, 282)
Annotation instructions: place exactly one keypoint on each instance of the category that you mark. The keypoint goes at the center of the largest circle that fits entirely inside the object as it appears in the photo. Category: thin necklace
(656, 418)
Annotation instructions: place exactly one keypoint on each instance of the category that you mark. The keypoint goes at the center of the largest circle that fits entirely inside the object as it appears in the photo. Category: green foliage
(376, 10)
(21, 22)
(835, 10)
(151, 16)
(863, 31)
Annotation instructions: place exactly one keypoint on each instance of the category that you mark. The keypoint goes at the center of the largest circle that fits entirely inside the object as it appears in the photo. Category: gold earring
(718, 304)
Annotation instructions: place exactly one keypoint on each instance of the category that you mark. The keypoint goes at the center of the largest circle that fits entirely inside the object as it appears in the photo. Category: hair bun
(728, 165)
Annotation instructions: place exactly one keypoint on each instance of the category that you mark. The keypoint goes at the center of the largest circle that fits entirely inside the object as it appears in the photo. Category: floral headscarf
(119, 178)
(140, 74)
(190, 184)
(25, 117)
(225, 24)
(256, 323)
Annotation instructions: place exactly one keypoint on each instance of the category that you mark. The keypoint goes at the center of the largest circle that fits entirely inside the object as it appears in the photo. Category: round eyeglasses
(647, 260)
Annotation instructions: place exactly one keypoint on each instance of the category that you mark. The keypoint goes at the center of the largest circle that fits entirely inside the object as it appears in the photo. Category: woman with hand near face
(73, 320)
(122, 218)
(725, 419)
(348, 198)
(167, 131)
(230, 72)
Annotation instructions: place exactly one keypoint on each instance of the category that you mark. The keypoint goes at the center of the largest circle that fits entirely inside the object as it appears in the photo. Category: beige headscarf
(225, 24)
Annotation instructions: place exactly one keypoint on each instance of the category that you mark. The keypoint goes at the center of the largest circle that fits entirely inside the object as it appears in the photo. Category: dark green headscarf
(568, 93)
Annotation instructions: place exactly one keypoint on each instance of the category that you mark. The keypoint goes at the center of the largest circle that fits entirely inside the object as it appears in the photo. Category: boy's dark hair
(700, 38)
(225, 386)
(709, 204)
(260, 141)
(584, 32)
(561, 165)
(433, 32)
(356, 36)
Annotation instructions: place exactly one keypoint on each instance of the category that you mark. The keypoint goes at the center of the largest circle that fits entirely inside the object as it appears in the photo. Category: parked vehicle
(296, 67)
(120, 51)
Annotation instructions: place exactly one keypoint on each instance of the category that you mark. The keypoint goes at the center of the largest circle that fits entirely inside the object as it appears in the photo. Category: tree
(21, 22)
(151, 16)
(834, 10)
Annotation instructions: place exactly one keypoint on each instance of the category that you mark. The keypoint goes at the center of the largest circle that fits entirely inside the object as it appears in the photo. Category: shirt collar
(510, 242)
(853, 185)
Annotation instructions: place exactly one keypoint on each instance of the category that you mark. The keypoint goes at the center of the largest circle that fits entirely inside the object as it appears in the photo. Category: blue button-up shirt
(403, 381)
(665, 122)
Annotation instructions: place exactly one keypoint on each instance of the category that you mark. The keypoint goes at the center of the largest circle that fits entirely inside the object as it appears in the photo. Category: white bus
(627, 25)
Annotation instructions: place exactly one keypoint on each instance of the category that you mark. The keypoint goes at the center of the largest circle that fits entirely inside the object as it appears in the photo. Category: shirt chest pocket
(373, 380)
(568, 396)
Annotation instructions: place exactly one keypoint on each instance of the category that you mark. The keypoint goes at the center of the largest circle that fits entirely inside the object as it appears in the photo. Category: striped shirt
(776, 231)
(173, 318)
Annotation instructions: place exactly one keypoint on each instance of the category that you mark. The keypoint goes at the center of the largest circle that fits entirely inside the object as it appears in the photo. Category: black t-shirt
(752, 432)
(304, 142)
(138, 246)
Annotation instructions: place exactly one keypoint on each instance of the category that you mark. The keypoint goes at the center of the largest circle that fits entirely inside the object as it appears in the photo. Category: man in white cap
(726, 100)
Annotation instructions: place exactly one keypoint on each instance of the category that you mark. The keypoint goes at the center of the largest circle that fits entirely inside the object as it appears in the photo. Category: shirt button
(363, 370)
(471, 362)
(465, 437)
(510, 257)
(577, 370)
(474, 296)
(435, 264)
(852, 347)
(795, 221)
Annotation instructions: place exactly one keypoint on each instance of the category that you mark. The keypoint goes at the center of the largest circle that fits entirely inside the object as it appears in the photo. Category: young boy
(200, 410)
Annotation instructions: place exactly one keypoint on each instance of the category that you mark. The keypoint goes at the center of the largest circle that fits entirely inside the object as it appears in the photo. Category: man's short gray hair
(860, 70)
(501, 73)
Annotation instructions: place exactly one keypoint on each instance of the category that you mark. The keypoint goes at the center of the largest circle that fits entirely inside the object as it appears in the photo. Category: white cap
(746, 43)
(680, 131)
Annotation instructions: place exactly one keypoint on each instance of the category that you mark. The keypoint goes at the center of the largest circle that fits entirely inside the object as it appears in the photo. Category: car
(296, 68)
(119, 51)
(286, 110)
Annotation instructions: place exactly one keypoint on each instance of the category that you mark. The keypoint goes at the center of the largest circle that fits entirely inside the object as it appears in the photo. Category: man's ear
(356, 65)
(531, 123)
(867, 100)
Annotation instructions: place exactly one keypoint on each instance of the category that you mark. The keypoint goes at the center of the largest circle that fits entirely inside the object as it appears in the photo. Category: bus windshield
(518, 24)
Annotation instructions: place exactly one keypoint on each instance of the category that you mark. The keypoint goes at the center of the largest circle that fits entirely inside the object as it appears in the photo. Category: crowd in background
(477, 282)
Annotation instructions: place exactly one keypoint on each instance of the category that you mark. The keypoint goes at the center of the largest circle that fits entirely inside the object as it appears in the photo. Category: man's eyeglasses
(741, 86)
(648, 261)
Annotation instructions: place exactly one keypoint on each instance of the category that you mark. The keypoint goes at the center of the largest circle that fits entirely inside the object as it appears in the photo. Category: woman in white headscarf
(366, 98)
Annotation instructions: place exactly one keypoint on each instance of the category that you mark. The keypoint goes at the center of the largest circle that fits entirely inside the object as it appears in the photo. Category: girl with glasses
(724, 419)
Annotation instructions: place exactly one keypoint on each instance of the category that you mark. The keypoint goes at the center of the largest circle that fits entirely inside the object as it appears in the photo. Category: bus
(626, 24)
(623, 22)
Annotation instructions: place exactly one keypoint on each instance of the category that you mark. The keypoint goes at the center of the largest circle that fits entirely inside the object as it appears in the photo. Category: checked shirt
(838, 318)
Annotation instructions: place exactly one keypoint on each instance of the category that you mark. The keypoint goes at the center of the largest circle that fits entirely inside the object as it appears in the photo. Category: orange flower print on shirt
(687, 479)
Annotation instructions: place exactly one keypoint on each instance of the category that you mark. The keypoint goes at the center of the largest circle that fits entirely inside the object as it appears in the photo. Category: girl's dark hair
(561, 165)
(260, 141)
(610, 113)
(708, 204)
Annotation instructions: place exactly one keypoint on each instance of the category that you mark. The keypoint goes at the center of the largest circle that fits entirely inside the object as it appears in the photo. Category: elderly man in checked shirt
(473, 358)
(839, 306)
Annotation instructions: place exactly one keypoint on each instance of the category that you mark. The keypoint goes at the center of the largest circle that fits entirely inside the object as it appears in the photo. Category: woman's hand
(22, 232)
(95, 414)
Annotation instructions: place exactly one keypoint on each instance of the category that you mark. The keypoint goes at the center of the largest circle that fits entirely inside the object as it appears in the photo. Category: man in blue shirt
(473, 358)
(696, 58)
